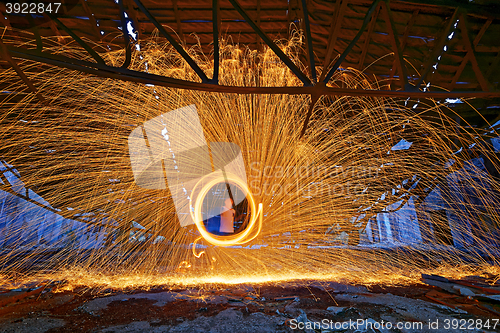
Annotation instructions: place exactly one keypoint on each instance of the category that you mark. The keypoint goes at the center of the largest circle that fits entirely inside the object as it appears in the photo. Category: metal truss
(311, 85)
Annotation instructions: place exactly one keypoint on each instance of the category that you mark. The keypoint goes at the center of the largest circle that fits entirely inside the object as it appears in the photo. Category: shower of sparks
(361, 157)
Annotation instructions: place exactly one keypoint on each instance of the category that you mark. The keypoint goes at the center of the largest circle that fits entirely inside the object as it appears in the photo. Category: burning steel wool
(119, 188)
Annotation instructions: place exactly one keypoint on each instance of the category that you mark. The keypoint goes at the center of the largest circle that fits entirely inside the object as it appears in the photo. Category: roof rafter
(143, 77)
(338, 15)
(465, 60)
(91, 17)
(470, 53)
(310, 50)
(174, 43)
(178, 20)
(438, 49)
(302, 77)
(353, 42)
(408, 27)
(7, 57)
(367, 40)
(403, 75)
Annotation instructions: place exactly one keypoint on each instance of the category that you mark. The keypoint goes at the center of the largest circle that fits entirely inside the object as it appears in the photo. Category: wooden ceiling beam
(470, 56)
(398, 55)
(353, 42)
(7, 57)
(257, 38)
(367, 39)
(301, 76)
(56, 31)
(408, 27)
(216, 23)
(466, 59)
(438, 49)
(310, 50)
(340, 8)
(92, 19)
(289, 18)
(178, 20)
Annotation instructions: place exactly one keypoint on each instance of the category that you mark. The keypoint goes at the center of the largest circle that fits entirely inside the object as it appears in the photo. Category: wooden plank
(216, 23)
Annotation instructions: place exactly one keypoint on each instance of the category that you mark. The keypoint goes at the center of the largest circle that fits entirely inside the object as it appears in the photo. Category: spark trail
(335, 183)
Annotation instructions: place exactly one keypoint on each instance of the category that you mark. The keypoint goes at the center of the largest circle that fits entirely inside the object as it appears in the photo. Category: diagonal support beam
(409, 25)
(174, 43)
(6, 55)
(483, 82)
(216, 29)
(403, 74)
(314, 98)
(133, 15)
(56, 31)
(337, 64)
(87, 48)
(310, 50)
(34, 28)
(438, 49)
(6, 20)
(126, 37)
(92, 19)
(302, 77)
(466, 58)
(334, 33)
(257, 38)
(367, 40)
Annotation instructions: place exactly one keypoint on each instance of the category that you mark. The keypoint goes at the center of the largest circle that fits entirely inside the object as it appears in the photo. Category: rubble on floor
(307, 306)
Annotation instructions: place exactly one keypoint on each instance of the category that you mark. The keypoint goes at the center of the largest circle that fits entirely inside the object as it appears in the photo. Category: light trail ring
(240, 238)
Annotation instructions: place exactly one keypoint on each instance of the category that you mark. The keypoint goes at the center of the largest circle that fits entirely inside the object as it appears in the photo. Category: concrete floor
(310, 306)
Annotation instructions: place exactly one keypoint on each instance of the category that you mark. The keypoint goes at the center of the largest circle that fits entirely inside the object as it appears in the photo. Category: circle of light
(240, 238)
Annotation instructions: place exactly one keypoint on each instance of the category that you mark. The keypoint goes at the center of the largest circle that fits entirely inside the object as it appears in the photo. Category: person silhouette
(227, 218)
